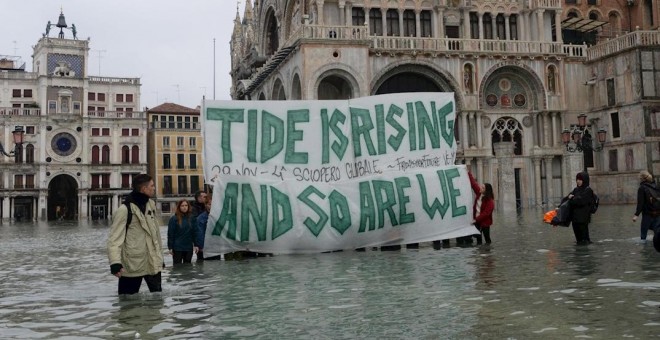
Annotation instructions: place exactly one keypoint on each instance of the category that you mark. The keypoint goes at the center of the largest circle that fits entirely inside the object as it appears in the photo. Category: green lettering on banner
(448, 131)
(227, 117)
(341, 144)
(361, 125)
(293, 135)
(385, 204)
(427, 126)
(412, 134)
(367, 208)
(283, 223)
(252, 135)
(340, 214)
(314, 227)
(380, 129)
(401, 184)
(436, 206)
(395, 141)
(272, 136)
(455, 209)
(249, 209)
(229, 212)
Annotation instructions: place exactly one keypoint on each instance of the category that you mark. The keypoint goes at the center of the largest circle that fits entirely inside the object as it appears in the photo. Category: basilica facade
(84, 137)
(521, 72)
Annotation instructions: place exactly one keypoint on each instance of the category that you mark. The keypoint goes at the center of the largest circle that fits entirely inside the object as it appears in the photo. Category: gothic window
(613, 160)
(513, 26)
(507, 129)
(95, 154)
(611, 93)
(501, 32)
(488, 26)
(392, 22)
(272, 38)
(474, 25)
(375, 21)
(358, 16)
(409, 23)
(425, 22)
(29, 153)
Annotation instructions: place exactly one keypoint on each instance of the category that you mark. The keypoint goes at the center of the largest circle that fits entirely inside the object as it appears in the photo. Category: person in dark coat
(202, 219)
(650, 218)
(580, 200)
(197, 207)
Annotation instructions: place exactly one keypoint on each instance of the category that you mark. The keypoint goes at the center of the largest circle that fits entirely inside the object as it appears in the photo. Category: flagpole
(213, 68)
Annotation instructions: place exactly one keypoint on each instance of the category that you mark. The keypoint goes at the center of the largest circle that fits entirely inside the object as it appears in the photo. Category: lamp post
(579, 139)
(630, 4)
(18, 134)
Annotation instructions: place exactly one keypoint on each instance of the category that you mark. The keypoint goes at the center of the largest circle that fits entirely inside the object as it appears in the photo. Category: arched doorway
(62, 198)
(408, 82)
(334, 87)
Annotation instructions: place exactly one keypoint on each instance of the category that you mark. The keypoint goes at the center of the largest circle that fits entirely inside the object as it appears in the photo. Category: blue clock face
(63, 144)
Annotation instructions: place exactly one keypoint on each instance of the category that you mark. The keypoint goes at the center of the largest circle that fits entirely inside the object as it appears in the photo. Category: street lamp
(18, 142)
(581, 137)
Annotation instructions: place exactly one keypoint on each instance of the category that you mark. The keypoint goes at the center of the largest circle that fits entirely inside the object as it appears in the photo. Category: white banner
(312, 176)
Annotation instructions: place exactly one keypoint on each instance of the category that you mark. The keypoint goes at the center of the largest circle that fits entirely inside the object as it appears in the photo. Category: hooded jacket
(643, 204)
(582, 200)
(138, 247)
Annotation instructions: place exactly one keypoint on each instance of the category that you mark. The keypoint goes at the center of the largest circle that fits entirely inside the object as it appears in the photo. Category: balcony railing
(19, 111)
(622, 43)
(17, 75)
(116, 114)
(546, 4)
(112, 80)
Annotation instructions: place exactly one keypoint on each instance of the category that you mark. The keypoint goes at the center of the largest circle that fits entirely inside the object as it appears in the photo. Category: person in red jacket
(484, 204)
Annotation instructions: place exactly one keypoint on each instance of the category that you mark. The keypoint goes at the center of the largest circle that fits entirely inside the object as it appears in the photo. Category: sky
(166, 43)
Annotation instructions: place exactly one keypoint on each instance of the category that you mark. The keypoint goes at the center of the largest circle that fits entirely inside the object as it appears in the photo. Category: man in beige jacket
(135, 248)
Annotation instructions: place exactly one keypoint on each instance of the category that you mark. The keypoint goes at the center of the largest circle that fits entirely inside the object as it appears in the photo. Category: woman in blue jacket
(181, 232)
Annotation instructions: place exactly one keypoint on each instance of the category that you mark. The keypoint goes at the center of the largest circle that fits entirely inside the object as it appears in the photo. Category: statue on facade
(48, 27)
(75, 32)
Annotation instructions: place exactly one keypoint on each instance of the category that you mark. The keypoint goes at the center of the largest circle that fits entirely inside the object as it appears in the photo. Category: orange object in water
(547, 217)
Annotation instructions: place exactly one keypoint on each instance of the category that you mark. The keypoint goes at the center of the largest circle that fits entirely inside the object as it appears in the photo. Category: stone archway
(62, 198)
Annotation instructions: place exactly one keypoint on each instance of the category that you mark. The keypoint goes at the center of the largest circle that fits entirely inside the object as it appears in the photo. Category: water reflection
(532, 282)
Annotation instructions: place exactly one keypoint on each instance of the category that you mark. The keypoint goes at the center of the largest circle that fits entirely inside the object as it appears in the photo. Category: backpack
(653, 198)
(594, 203)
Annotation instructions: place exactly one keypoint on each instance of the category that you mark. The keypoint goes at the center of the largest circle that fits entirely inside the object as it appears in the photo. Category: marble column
(465, 140)
(473, 128)
(480, 169)
(558, 25)
(555, 132)
(539, 21)
(573, 162)
(481, 25)
(507, 29)
(319, 6)
(506, 195)
(5, 207)
(418, 25)
(342, 13)
(383, 23)
(479, 132)
(546, 129)
(538, 199)
(548, 179)
(466, 24)
(440, 33)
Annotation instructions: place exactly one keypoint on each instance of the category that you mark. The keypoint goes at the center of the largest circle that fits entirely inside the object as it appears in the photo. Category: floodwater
(531, 283)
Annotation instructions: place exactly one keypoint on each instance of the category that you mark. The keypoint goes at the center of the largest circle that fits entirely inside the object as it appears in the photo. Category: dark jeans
(649, 222)
(485, 232)
(179, 257)
(200, 256)
(131, 285)
(581, 231)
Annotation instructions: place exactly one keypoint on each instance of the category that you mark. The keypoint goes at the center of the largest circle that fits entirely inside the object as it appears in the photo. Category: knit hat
(645, 176)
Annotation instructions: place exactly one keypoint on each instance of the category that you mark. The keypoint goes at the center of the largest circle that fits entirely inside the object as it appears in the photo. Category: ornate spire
(247, 15)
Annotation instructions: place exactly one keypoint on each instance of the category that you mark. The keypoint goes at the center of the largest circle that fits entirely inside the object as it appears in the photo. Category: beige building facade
(517, 83)
(175, 154)
(84, 135)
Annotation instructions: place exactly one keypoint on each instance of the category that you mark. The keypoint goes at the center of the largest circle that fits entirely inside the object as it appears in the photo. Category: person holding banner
(484, 204)
(181, 232)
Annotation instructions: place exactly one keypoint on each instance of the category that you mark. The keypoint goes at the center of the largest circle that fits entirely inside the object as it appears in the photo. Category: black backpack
(653, 198)
(594, 203)
(129, 216)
